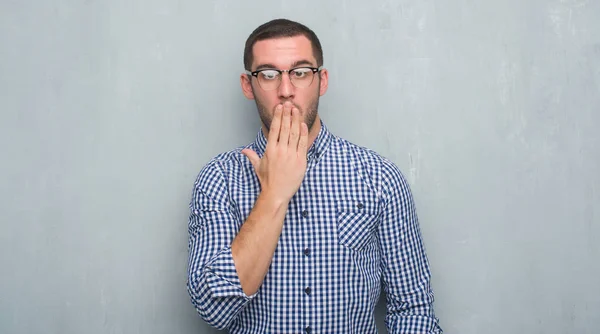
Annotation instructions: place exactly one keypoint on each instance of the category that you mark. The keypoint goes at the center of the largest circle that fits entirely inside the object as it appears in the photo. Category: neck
(314, 131)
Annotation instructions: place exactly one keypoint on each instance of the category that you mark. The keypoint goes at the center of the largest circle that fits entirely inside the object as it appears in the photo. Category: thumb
(252, 156)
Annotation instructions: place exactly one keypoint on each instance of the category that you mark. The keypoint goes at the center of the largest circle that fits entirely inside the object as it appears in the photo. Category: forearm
(254, 246)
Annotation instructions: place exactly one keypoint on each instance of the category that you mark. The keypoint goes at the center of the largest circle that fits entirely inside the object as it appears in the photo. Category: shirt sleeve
(213, 283)
(405, 268)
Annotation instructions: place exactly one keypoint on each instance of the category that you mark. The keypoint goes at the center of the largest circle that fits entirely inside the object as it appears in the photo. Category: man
(296, 232)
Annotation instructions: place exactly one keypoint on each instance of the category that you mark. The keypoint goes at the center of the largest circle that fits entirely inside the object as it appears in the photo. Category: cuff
(222, 277)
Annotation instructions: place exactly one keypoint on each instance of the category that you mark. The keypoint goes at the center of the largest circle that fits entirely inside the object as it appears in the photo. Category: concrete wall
(108, 110)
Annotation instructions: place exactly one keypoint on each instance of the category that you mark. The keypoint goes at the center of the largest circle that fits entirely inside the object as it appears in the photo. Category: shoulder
(369, 157)
(383, 171)
(222, 167)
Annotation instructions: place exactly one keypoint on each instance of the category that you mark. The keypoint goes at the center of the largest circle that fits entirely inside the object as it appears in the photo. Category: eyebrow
(295, 64)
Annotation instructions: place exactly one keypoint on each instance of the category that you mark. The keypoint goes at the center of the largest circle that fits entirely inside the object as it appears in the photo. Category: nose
(286, 88)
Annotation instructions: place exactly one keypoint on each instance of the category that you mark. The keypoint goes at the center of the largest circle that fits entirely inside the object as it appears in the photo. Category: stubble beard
(309, 115)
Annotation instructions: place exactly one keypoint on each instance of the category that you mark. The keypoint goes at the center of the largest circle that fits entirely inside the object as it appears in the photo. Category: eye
(269, 74)
(300, 73)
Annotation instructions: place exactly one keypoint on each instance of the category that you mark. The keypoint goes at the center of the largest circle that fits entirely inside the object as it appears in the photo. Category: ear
(246, 86)
(324, 81)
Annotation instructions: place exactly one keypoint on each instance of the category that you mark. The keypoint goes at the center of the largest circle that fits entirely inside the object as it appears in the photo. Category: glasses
(270, 79)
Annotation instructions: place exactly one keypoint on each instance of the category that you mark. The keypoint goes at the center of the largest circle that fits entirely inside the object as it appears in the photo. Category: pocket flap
(357, 206)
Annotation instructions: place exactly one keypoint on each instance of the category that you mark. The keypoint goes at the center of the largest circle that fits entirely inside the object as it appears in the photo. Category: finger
(252, 156)
(295, 129)
(303, 142)
(284, 133)
(275, 125)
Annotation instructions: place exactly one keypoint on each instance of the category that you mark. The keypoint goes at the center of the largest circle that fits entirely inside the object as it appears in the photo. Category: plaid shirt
(349, 229)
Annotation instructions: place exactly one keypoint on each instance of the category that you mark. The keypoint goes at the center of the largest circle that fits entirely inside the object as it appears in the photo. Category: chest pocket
(356, 223)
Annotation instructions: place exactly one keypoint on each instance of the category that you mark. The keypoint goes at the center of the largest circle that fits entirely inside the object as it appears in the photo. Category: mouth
(293, 105)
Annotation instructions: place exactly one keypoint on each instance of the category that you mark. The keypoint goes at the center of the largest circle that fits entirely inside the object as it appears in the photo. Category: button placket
(307, 242)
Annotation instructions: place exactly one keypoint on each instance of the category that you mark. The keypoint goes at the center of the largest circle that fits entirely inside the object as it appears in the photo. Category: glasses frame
(255, 74)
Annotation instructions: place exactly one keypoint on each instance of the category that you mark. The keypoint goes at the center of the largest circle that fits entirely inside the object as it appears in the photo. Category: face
(284, 54)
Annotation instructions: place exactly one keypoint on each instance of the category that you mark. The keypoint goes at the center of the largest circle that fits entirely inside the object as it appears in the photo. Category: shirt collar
(315, 151)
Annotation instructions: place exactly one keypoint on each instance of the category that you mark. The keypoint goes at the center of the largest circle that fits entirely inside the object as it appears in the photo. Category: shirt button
(195, 212)
(307, 329)
(306, 251)
(307, 291)
(304, 213)
(360, 205)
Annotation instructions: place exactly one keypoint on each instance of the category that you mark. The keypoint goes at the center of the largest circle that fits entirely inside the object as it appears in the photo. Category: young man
(296, 232)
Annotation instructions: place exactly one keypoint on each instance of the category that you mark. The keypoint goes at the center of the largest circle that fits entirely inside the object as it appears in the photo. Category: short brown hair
(281, 28)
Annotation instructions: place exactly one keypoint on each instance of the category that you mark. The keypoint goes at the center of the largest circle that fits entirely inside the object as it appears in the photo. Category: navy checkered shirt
(350, 229)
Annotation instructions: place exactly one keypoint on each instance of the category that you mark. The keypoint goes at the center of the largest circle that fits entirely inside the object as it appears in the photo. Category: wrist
(272, 199)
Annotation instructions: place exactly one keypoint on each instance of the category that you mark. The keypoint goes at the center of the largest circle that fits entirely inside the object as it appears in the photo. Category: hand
(282, 167)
